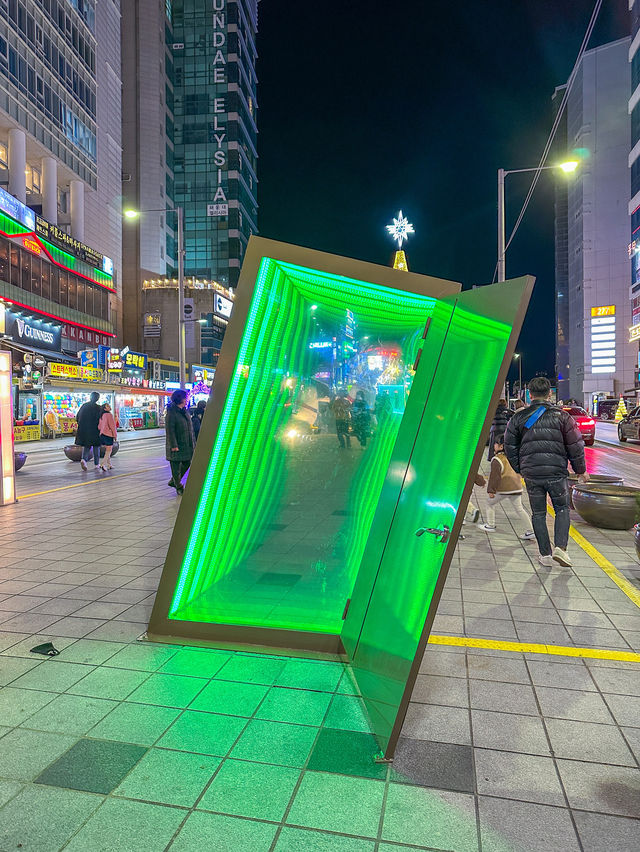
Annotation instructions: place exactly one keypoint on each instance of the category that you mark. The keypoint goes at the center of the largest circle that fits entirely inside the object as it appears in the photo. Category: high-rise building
(214, 55)
(593, 355)
(60, 158)
(147, 155)
(634, 203)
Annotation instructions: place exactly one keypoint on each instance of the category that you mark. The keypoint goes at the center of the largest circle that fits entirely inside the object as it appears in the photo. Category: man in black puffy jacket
(538, 442)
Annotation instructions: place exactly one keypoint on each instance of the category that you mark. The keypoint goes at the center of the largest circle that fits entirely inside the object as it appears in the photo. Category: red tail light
(587, 423)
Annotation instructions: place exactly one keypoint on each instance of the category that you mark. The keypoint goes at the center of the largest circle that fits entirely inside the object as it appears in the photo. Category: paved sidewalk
(47, 445)
(121, 745)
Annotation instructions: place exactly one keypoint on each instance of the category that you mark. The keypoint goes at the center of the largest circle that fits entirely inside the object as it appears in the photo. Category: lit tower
(400, 229)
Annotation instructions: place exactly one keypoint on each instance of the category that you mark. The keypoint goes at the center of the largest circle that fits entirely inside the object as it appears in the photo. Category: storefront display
(138, 410)
(65, 404)
(28, 416)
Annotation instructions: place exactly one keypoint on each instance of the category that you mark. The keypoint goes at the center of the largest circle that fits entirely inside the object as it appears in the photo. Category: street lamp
(134, 214)
(567, 167)
(518, 356)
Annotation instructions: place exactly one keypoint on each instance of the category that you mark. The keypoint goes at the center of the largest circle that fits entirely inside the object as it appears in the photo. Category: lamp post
(519, 357)
(567, 168)
(179, 211)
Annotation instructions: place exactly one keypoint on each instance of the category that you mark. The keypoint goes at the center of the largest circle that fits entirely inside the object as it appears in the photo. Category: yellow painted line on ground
(530, 648)
(602, 562)
(89, 482)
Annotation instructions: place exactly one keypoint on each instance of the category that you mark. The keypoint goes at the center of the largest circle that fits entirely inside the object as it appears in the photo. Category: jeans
(513, 500)
(86, 454)
(342, 431)
(558, 490)
(178, 470)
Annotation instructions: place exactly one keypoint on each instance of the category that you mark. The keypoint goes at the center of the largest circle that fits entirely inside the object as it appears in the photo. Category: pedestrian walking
(499, 424)
(539, 441)
(505, 486)
(196, 418)
(88, 436)
(361, 418)
(341, 407)
(518, 404)
(108, 435)
(179, 438)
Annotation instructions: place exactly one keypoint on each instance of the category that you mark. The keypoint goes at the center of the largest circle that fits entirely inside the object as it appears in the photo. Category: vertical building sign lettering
(220, 206)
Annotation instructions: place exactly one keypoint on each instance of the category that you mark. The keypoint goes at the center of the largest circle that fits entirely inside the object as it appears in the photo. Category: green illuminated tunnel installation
(284, 512)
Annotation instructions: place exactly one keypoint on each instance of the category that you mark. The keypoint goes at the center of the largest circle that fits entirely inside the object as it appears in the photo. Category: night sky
(368, 108)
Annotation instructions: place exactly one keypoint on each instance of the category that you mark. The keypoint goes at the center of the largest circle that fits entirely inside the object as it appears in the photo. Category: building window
(63, 200)
(4, 156)
(33, 180)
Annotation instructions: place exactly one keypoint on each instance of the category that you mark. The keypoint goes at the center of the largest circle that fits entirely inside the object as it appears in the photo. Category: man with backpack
(538, 442)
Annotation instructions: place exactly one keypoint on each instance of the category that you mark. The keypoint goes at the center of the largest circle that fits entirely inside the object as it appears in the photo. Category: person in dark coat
(499, 425)
(179, 438)
(196, 418)
(538, 443)
(88, 435)
(361, 418)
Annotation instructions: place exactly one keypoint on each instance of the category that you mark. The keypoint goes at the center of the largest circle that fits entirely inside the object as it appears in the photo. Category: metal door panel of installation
(425, 494)
(288, 468)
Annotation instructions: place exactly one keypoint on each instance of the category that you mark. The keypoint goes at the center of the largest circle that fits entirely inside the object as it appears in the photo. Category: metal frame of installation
(350, 410)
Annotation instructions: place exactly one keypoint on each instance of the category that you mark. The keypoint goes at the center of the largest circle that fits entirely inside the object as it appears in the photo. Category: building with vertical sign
(60, 139)
(215, 132)
(593, 355)
(634, 167)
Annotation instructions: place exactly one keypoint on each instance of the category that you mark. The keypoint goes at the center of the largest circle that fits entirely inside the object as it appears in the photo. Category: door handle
(442, 535)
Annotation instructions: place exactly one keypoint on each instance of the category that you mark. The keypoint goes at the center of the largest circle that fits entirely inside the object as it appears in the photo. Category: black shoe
(171, 483)
(180, 489)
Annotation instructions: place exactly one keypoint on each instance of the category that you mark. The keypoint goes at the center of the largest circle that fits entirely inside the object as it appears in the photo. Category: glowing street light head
(131, 214)
(400, 229)
(569, 166)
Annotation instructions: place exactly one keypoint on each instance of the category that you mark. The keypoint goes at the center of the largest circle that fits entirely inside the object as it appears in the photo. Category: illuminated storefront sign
(124, 359)
(320, 344)
(7, 467)
(65, 241)
(31, 245)
(603, 339)
(138, 382)
(17, 210)
(634, 333)
(30, 331)
(75, 371)
(222, 306)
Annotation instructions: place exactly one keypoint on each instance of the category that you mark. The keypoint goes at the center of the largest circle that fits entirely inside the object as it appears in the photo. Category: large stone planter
(19, 460)
(596, 479)
(74, 452)
(612, 507)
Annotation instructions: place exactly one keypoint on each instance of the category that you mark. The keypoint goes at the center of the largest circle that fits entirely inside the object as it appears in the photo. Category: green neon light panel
(284, 511)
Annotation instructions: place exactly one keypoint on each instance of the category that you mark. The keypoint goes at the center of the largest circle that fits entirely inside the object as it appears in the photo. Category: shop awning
(46, 353)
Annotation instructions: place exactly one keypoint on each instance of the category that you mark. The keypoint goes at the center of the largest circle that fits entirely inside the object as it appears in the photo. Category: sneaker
(562, 557)
(528, 536)
(486, 528)
(547, 561)
(83, 464)
(475, 517)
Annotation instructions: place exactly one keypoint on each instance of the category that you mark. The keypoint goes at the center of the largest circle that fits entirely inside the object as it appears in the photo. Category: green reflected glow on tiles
(255, 467)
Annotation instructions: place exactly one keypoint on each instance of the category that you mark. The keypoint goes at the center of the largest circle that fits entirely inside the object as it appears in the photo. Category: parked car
(629, 426)
(585, 422)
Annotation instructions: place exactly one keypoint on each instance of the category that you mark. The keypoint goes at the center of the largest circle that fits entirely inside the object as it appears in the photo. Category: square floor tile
(338, 803)
(275, 742)
(237, 699)
(588, 741)
(248, 789)
(263, 670)
(95, 766)
(168, 777)
(507, 826)
(204, 831)
(308, 840)
(116, 684)
(435, 689)
(561, 675)
(347, 713)
(135, 723)
(607, 833)
(13, 667)
(347, 753)
(90, 651)
(516, 697)
(143, 657)
(572, 704)
(17, 705)
(443, 765)
(430, 818)
(505, 670)
(621, 682)
(625, 708)
(24, 754)
(509, 732)
(44, 818)
(294, 705)
(599, 787)
(525, 777)
(119, 824)
(70, 714)
(168, 690)
(195, 663)
(437, 724)
(204, 733)
(52, 676)
(309, 674)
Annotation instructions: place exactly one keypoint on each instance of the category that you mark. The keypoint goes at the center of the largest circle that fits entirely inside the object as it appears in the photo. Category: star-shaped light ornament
(400, 229)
